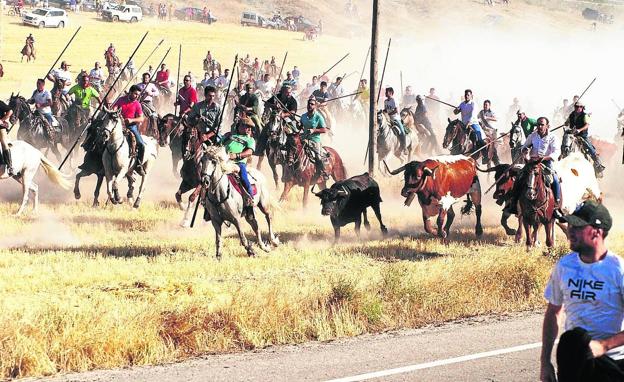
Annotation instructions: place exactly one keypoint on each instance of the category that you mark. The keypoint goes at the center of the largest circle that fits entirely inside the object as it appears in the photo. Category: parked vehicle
(130, 13)
(197, 14)
(45, 17)
(62, 4)
(256, 20)
(300, 23)
(592, 14)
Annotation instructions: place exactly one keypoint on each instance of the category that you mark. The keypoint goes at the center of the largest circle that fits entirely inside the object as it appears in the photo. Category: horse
(388, 141)
(174, 140)
(59, 101)
(226, 205)
(29, 51)
(299, 168)
(92, 163)
(271, 142)
(34, 129)
(26, 162)
(537, 205)
(190, 172)
(462, 141)
(427, 143)
(117, 162)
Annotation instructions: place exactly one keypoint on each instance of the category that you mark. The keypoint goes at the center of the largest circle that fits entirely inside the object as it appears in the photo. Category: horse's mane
(218, 153)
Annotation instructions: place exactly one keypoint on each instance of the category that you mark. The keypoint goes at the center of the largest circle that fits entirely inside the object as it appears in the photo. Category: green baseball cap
(590, 213)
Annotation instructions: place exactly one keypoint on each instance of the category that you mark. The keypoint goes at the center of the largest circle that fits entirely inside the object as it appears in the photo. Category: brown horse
(29, 51)
(461, 140)
(425, 144)
(191, 170)
(537, 205)
(175, 140)
(300, 169)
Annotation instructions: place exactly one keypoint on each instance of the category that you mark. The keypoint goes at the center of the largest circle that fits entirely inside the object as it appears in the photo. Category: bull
(346, 202)
(439, 183)
(506, 176)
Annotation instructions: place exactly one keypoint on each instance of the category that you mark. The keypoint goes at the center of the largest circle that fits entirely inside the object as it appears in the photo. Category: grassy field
(87, 288)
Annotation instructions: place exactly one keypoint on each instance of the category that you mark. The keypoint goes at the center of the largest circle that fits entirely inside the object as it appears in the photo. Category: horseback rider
(132, 114)
(162, 77)
(290, 81)
(364, 93)
(285, 103)
(5, 115)
(204, 115)
(187, 96)
(421, 116)
(61, 74)
(148, 92)
(96, 76)
(240, 147)
(528, 124)
(390, 107)
(43, 101)
(578, 122)
(83, 92)
(469, 116)
(250, 104)
(321, 96)
(313, 126)
(409, 98)
(543, 146)
(30, 40)
(111, 58)
(487, 119)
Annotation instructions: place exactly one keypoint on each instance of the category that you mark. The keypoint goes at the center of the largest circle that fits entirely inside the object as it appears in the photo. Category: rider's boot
(402, 142)
(598, 166)
(320, 167)
(138, 166)
(8, 161)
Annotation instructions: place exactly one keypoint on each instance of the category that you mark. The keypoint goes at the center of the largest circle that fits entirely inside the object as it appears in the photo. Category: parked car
(592, 14)
(256, 20)
(147, 10)
(88, 6)
(45, 17)
(130, 13)
(197, 14)
(300, 23)
(62, 4)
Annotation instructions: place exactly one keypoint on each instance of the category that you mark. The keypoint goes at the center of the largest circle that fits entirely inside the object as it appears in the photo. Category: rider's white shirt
(43, 97)
(150, 91)
(96, 75)
(65, 75)
(541, 147)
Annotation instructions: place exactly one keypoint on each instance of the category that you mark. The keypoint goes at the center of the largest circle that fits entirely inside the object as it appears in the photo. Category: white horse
(117, 163)
(225, 204)
(26, 162)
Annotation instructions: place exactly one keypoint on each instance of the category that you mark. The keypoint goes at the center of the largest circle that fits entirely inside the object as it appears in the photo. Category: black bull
(347, 200)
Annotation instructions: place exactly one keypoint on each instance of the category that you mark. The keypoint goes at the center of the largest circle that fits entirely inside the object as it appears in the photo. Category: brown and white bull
(439, 183)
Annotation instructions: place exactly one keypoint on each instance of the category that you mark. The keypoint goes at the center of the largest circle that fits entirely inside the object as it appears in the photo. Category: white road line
(448, 361)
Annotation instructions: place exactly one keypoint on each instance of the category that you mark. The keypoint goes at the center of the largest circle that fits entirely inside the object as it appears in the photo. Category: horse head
(20, 108)
(165, 126)
(453, 130)
(406, 113)
(536, 189)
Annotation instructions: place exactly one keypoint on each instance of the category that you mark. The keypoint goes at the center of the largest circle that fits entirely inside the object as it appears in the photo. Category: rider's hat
(246, 121)
(579, 103)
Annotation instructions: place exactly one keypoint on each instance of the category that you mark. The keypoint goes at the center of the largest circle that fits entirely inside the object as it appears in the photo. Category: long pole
(175, 109)
(279, 77)
(63, 51)
(362, 72)
(154, 72)
(216, 135)
(333, 66)
(383, 72)
(97, 110)
(139, 70)
(372, 121)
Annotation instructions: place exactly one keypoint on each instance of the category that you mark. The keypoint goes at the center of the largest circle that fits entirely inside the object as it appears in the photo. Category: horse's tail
(55, 175)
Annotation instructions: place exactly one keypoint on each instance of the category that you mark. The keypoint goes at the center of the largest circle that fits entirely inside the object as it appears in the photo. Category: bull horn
(398, 170)
(312, 190)
(427, 171)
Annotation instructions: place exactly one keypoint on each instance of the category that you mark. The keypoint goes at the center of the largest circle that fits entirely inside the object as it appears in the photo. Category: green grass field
(87, 288)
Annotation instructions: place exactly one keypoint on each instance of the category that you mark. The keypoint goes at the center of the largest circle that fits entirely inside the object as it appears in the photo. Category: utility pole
(372, 115)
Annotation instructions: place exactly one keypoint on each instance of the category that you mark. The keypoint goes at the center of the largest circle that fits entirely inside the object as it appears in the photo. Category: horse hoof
(510, 232)
(181, 206)
(95, 204)
(479, 231)
(137, 203)
(251, 253)
(77, 195)
(384, 231)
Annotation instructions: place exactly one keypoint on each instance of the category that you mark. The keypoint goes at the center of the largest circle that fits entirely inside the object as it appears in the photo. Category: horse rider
(321, 96)
(469, 116)
(204, 115)
(541, 145)
(313, 126)
(390, 107)
(250, 104)
(578, 122)
(148, 92)
(240, 146)
(290, 81)
(111, 59)
(62, 74)
(96, 76)
(364, 93)
(421, 116)
(43, 101)
(132, 114)
(527, 124)
(513, 110)
(187, 96)
(162, 77)
(409, 98)
(83, 93)
(30, 40)
(285, 103)
(5, 115)
(337, 90)
(487, 119)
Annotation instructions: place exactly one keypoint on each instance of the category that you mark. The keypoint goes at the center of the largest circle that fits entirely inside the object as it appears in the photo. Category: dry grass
(118, 296)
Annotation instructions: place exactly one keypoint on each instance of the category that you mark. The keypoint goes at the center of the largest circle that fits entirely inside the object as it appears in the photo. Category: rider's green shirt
(528, 126)
(83, 95)
(237, 143)
(316, 121)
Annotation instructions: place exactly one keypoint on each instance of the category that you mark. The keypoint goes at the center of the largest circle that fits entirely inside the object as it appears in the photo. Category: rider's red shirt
(162, 76)
(129, 108)
(188, 96)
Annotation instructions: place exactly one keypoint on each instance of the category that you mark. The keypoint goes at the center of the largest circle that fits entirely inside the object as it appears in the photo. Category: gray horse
(224, 204)
(388, 142)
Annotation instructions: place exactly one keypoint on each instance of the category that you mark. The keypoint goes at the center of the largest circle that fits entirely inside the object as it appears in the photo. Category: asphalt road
(479, 349)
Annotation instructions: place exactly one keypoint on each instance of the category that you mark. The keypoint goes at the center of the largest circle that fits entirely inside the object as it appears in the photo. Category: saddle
(236, 182)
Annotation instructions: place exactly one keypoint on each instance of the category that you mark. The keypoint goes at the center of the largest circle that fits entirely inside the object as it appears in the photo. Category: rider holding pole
(313, 126)
(205, 115)
(43, 101)
(390, 107)
(469, 116)
(578, 122)
(132, 114)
